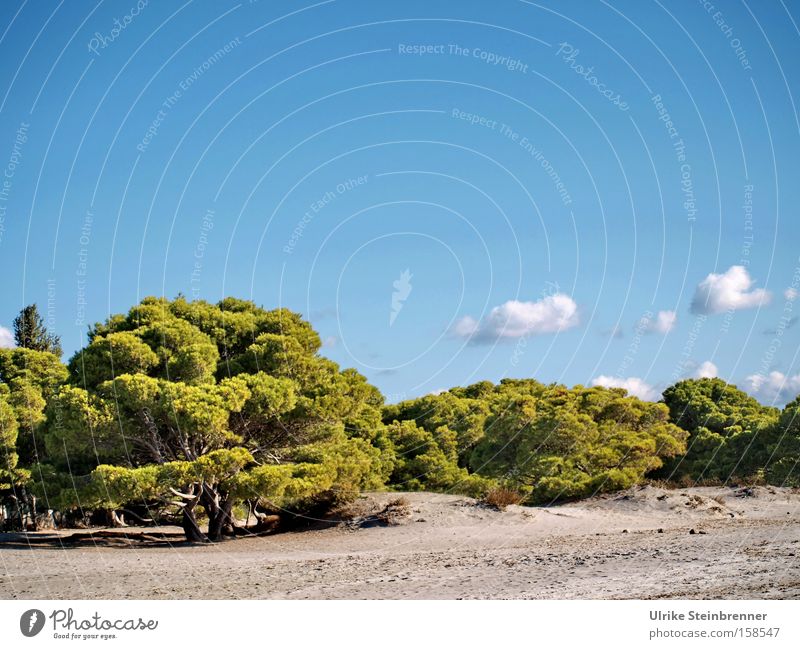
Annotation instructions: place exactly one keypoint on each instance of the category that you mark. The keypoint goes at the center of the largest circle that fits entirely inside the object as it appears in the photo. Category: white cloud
(706, 370)
(6, 338)
(330, 341)
(773, 388)
(466, 327)
(791, 294)
(730, 290)
(515, 319)
(634, 385)
(663, 323)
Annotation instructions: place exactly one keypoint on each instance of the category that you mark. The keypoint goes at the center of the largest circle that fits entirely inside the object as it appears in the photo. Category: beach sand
(636, 544)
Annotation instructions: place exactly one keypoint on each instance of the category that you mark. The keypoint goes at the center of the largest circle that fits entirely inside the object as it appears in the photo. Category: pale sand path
(452, 548)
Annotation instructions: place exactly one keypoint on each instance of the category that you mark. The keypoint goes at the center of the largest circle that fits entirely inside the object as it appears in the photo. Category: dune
(646, 542)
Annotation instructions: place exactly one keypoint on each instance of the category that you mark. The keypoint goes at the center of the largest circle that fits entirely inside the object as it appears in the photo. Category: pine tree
(30, 332)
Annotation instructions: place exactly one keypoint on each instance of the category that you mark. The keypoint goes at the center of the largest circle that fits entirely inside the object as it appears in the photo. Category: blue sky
(587, 192)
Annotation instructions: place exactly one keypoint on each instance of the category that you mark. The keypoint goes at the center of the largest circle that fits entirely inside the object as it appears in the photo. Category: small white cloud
(663, 323)
(330, 341)
(791, 294)
(515, 319)
(732, 289)
(6, 339)
(634, 385)
(706, 370)
(466, 327)
(773, 388)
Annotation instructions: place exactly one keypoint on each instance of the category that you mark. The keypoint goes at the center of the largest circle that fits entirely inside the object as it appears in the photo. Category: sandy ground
(452, 547)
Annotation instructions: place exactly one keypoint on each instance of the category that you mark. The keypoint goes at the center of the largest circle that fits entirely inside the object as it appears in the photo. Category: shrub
(502, 497)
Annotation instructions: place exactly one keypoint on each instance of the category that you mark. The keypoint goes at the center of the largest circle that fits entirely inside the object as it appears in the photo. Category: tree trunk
(221, 522)
(31, 499)
(16, 517)
(190, 527)
(218, 507)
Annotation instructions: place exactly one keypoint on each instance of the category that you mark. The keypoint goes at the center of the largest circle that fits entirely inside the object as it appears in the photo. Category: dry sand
(452, 547)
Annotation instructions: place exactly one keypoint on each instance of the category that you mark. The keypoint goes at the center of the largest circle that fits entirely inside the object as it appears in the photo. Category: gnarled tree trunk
(190, 526)
(219, 507)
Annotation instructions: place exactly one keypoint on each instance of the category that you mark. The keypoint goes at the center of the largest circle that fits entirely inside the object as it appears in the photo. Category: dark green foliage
(463, 416)
(560, 443)
(30, 332)
(781, 452)
(177, 405)
(426, 460)
(9, 429)
(551, 442)
(730, 433)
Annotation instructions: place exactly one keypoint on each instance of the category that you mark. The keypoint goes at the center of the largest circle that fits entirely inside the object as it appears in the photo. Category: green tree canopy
(561, 443)
(192, 407)
(209, 405)
(550, 441)
(730, 433)
(428, 460)
(782, 452)
(28, 378)
(463, 416)
(10, 475)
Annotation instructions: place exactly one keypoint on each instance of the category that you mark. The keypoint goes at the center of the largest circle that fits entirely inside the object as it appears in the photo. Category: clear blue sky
(548, 173)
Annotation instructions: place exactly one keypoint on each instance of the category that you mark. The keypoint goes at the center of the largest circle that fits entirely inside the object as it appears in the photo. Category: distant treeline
(205, 414)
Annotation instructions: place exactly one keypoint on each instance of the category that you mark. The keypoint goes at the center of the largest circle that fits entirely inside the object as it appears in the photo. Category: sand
(453, 547)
